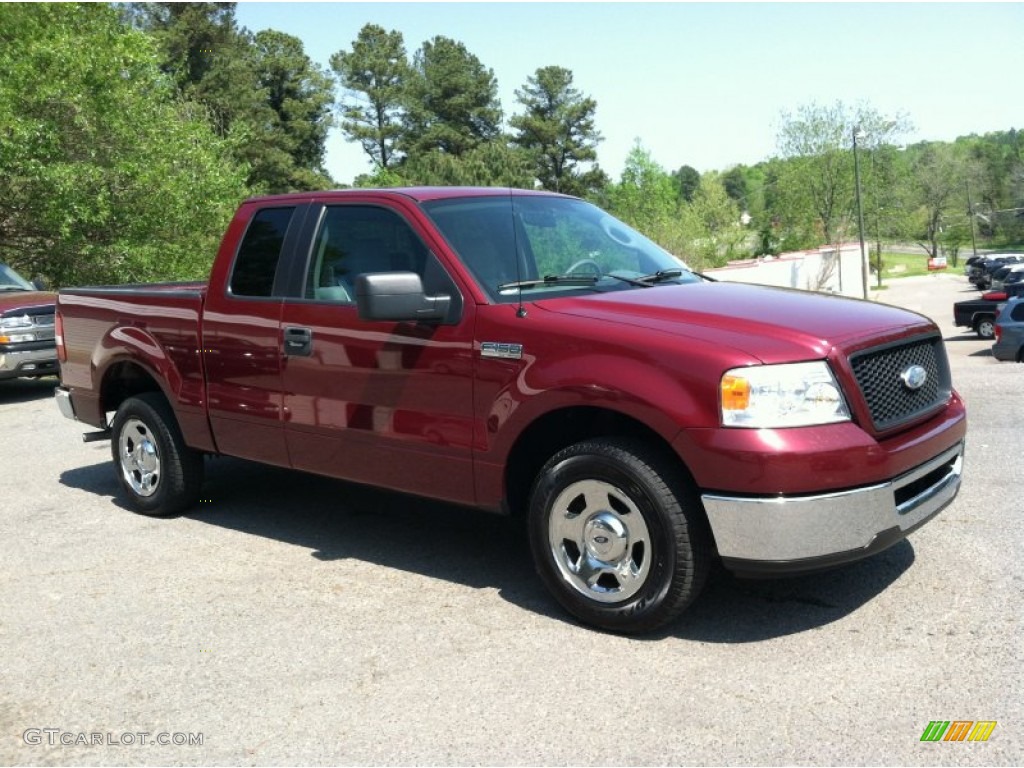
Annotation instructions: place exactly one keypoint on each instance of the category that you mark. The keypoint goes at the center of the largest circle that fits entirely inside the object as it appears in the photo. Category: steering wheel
(594, 267)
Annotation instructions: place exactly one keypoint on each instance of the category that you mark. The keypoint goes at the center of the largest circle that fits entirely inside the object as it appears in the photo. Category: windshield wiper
(12, 288)
(649, 281)
(660, 276)
(550, 280)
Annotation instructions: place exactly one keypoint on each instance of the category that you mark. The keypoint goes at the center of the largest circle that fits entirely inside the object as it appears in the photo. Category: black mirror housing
(398, 297)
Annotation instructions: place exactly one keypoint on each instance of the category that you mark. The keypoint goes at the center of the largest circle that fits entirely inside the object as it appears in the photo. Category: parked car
(526, 353)
(971, 261)
(1008, 275)
(1009, 330)
(980, 314)
(27, 346)
(981, 274)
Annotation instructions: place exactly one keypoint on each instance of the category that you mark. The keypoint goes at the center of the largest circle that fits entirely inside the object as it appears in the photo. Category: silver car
(1010, 331)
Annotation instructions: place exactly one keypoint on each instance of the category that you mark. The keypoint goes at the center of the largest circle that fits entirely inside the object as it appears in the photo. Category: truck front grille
(890, 401)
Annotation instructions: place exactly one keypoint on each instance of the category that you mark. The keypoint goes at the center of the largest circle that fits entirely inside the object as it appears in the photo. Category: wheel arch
(558, 429)
(126, 378)
(980, 316)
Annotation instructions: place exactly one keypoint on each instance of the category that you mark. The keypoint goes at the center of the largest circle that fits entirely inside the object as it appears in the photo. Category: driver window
(353, 240)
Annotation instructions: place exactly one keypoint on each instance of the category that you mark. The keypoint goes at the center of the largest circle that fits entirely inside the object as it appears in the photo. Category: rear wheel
(618, 535)
(159, 473)
(986, 328)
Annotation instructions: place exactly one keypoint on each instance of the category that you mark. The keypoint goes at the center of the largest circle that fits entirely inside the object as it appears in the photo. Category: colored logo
(958, 730)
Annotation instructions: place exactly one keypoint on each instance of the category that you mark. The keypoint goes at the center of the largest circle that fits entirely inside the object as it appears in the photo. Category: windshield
(574, 244)
(12, 281)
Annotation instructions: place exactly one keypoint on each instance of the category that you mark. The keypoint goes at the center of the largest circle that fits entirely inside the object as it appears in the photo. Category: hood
(13, 301)
(769, 324)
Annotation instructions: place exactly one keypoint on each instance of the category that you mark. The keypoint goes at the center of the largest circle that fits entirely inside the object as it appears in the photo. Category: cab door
(381, 403)
(241, 339)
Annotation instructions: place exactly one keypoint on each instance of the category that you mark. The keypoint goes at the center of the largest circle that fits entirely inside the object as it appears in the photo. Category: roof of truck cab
(419, 194)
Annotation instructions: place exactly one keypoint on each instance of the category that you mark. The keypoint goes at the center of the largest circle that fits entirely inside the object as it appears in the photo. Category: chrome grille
(891, 402)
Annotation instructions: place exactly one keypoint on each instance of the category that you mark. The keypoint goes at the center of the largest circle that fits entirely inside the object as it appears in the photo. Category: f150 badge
(501, 349)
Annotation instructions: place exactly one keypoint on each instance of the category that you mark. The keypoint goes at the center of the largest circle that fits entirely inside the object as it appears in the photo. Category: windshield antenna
(520, 310)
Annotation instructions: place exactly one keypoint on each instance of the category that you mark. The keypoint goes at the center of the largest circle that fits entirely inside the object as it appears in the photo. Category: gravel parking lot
(291, 619)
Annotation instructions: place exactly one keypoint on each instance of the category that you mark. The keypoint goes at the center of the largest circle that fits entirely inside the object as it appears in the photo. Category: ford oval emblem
(914, 376)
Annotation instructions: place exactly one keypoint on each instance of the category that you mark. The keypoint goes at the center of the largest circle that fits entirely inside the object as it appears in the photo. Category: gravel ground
(295, 620)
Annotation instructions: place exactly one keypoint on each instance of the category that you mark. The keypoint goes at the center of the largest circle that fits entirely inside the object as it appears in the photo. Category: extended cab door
(382, 403)
(241, 335)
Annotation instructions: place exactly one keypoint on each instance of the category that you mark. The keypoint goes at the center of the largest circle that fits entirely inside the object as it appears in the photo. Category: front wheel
(159, 473)
(618, 535)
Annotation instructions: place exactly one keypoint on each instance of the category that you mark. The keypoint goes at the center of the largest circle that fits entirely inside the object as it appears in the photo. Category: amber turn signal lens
(735, 393)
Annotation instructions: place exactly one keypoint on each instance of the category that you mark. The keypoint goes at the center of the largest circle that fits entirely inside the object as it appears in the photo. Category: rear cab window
(259, 254)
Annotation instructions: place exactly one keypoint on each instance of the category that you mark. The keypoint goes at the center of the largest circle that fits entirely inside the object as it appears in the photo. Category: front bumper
(776, 535)
(29, 362)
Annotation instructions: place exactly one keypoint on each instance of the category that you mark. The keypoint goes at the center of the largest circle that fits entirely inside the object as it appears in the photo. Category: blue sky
(705, 84)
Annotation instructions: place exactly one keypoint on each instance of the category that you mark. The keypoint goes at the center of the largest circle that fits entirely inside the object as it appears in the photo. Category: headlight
(16, 322)
(790, 395)
(9, 326)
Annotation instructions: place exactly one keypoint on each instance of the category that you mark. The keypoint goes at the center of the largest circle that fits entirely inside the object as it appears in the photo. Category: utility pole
(860, 213)
(970, 215)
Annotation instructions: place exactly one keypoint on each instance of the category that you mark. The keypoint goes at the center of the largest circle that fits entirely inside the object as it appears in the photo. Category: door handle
(298, 341)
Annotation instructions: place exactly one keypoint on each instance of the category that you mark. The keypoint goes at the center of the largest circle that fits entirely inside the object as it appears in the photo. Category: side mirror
(398, 297)
(40, 284)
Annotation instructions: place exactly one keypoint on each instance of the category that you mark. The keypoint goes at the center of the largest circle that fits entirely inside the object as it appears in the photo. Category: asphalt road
(294, 620)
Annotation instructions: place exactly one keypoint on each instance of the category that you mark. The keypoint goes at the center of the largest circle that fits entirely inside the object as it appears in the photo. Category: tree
(299, 96)
(817, 182)
(687, 180)
(938, 173)
(646, 198)
(205, 54)
(645, 195)
(558, 130)
(487, 165)
(375, 74)
(262, 91)
(735, 183)
(106, 175)
(451, 102)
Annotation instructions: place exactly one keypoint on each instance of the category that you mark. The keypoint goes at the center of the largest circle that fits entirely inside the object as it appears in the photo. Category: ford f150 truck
(27, 347)
(527, 353)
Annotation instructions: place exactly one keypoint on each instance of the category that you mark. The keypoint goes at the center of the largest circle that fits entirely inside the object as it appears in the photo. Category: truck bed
(101, 325)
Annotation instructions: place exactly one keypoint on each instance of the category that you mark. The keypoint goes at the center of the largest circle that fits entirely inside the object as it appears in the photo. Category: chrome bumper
(782, 534)
(33, 362)
(64, 403)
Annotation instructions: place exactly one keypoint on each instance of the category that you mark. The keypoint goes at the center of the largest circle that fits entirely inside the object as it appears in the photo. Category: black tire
(582, 500)
(160, 475)
(986, 328)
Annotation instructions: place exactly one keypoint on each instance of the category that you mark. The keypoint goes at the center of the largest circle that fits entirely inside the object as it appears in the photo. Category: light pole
(860, 210)
(970, 215)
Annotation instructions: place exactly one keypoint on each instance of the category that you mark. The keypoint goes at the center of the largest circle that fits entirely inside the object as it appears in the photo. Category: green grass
(896, 265)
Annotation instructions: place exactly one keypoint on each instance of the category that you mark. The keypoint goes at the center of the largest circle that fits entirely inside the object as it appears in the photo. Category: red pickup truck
(27, 348)
(526, 353)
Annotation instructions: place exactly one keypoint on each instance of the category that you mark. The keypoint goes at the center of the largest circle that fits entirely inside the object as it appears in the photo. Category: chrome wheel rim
(140, 460)
(599, 541)
(987, 329)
